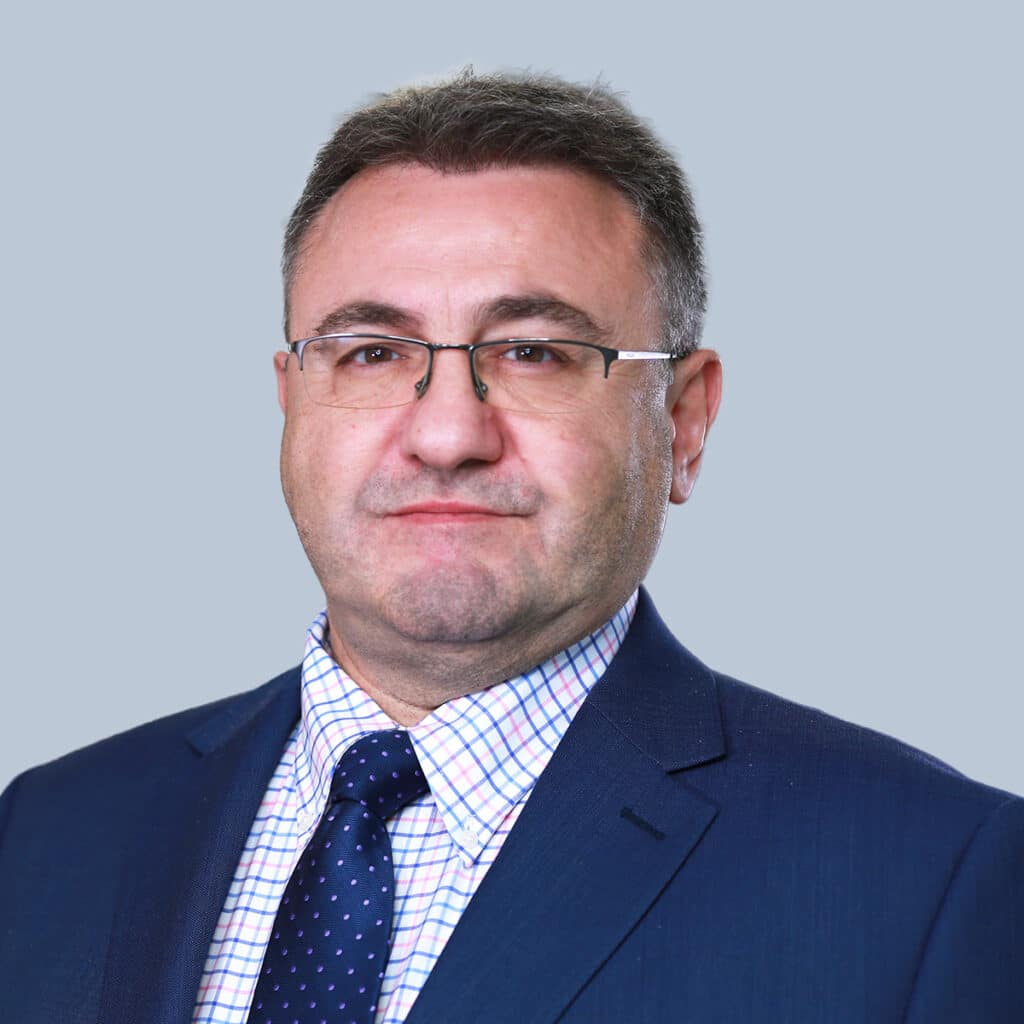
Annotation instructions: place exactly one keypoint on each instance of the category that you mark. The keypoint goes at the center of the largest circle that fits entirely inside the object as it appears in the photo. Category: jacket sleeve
(6, 803)
(7, 879)
(972, 967)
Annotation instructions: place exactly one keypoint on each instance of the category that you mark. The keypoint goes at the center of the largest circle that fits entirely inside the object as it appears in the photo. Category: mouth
(446, 508)
(437, 512)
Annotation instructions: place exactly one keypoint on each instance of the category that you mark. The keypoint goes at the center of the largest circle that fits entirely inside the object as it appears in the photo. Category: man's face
(447, 519)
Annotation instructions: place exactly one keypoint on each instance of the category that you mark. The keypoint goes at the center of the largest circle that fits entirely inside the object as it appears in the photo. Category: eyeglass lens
(372, 373)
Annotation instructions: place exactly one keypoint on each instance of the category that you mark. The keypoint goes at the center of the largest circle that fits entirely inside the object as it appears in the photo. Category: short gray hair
(473, 122)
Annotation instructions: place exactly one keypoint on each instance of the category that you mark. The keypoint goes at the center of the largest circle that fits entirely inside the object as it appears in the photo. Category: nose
(449, 426)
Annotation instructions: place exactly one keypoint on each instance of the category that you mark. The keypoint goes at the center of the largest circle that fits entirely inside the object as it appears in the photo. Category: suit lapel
(608, 824)
(178, 875)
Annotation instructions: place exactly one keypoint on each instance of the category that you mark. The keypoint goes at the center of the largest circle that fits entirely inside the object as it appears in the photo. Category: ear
(692, 400)
(281, 369)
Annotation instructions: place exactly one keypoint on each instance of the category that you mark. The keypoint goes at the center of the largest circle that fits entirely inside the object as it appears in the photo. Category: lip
(447, 508)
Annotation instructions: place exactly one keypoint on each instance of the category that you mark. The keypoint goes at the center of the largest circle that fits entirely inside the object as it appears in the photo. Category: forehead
(424, 238)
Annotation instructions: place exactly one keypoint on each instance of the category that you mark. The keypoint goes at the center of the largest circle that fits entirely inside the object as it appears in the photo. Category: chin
(470, 604)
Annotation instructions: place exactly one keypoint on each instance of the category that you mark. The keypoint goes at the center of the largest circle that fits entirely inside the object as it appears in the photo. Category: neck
(408, 679)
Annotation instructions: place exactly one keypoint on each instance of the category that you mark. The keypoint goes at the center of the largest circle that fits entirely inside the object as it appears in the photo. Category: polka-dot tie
(326, 957)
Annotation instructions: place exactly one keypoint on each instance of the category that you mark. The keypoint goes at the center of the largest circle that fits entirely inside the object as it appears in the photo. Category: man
(497, 789)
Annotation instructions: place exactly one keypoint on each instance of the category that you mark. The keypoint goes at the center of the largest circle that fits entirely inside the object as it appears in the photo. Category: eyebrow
(504, 309)
(369, 314)
(543, 307)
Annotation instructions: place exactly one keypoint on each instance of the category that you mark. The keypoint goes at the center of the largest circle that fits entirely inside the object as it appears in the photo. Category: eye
(530, 353)
(369, 355)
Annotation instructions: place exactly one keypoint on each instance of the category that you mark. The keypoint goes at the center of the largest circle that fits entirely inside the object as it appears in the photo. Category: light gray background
(854, 542)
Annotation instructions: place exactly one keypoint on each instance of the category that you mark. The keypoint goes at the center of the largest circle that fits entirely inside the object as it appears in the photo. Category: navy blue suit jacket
(698, 850)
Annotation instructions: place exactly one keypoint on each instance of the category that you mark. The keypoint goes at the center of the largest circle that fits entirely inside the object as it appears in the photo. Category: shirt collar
(481, 754)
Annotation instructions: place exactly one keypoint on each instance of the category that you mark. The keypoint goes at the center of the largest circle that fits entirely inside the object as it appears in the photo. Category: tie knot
(379, 771)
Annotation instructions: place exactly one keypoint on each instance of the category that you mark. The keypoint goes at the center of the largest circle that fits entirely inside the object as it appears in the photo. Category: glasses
(381, 371)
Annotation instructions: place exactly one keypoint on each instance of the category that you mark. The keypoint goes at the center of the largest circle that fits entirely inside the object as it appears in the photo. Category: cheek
(579, 466)
(324, 458)
(559, 455)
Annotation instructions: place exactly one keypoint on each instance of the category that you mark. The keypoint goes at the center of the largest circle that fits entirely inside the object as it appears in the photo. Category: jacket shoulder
(111, 765)
(797, 742)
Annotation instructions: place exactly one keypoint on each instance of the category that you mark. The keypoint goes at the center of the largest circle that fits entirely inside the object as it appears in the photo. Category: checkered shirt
(481, 755)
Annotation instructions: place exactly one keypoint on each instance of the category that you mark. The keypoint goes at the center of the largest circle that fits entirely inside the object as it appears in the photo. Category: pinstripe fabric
(481, 755)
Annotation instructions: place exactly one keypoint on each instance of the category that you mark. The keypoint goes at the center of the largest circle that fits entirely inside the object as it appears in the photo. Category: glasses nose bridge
(479, 387)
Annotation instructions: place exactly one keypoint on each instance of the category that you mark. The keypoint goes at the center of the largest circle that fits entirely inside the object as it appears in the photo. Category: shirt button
(467, 839)
(305, 819)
